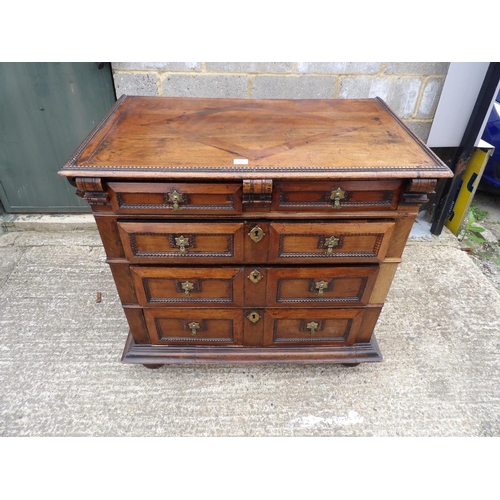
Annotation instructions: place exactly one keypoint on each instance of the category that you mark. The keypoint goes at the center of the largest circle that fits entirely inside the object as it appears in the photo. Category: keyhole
(253, 316)
(255, 276)
(256, 234)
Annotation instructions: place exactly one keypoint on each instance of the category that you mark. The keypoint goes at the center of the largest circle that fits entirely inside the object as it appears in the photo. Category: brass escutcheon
(194, 326)
(320, 286)
(256, 234)
(312, 326)
(182, 243)
(175, 197)
(187, 286)
(331, 242)
(337, 195)
(253, 316)
(255, 276)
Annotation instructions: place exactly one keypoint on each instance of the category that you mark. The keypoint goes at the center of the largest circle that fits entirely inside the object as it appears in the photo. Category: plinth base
(157, 355)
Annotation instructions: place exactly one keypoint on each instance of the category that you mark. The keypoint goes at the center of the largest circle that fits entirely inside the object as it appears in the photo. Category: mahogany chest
(246, 231)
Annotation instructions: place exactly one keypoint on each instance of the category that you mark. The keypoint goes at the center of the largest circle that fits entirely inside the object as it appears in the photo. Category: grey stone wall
(411, 89)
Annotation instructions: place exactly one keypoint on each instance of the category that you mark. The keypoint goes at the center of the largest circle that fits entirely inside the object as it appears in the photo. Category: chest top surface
(159, 137)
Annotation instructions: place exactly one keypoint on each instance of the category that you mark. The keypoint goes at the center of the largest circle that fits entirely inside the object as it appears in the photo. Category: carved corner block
(92, 190)
(257, 195)
(417, 190)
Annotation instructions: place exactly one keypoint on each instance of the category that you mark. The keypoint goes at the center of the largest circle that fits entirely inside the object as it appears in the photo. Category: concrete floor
(61, 374)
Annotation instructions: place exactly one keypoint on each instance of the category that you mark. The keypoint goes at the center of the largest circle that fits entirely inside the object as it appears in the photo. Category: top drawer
(175, 198)
(338, 196)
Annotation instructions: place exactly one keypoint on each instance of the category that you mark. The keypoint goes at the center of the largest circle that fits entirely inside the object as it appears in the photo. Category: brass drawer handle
(312, 326)
(182, 243)
(321, 286)
(256, 234)
(187, 286)
(330, 243)
(175, 197)
(194, 326)
(337, 195)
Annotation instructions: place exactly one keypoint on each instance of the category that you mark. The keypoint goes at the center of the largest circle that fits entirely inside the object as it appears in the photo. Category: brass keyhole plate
(253, 316)
(255, 276)
(256, 234)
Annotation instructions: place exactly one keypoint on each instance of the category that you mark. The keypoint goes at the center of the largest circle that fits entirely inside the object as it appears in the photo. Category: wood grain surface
(174, 137)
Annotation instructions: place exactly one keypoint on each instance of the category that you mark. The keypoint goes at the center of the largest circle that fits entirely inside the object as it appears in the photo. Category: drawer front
(253, 286)
(341, 196)
(311, 326)
(178, 243)
(320, 286)
(175, 199)
(181, 287)
(195, 326)
(329, 242)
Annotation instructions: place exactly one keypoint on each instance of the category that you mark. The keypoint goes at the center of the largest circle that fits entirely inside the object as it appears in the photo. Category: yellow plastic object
(468, 188)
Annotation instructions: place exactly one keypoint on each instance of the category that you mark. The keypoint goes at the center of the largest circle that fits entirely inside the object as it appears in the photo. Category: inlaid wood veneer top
(190, 138)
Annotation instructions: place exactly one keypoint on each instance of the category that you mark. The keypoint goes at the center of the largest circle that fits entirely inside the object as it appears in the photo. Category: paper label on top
(240, 161)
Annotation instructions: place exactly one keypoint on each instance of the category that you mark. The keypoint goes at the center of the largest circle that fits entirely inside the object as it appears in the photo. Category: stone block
(417, 68)
(293, 87)
(205, 85)
(420, 128)
(430, 97)
(363, 86)
(250, 67)
(339, 68)
(400, 94)
(136, 84)
(159, 66)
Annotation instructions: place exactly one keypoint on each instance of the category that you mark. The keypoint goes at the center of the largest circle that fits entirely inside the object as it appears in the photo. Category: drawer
(329, 242)
(175, 199)
(253, 286)
(195, 326)
(178, 243)
(311, 326)
(257, 242)
(188, 286)
(320, 286)
(341, 196)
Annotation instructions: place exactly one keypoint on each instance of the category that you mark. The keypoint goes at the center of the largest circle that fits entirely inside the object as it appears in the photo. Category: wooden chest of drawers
(252, 231)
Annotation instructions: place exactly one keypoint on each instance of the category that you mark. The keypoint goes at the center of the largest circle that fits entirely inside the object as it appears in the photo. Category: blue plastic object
(490, 181)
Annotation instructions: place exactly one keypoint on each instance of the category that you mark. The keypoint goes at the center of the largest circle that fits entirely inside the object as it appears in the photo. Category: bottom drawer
(311, 326)
(273, 327)
(195, 326)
